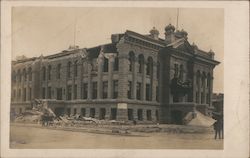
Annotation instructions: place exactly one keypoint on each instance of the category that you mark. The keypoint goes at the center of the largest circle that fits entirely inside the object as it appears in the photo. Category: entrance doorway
(113, 113)
(176, 117)
(102, 114)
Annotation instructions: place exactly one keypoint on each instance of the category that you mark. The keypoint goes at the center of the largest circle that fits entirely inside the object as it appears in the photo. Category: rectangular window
(83, 112)
(58, 75)
(208, 98)
(85, 90)
(106, 65)
(147, 92)
(139, 113)
(59, 93)
(157, 94)
(30, 93)
(197, 97)
(202, 97)
(69, 92)
(105, 89)
(115, 89)
(149, 116)
(130, 114)
(75, 69)
(116, 64)
(94, 90)
(75, 91)
(138, 91)
(129, 89)
(49, 92)
(92, 113)
(113, 113)
(43, 93)
(24, 94)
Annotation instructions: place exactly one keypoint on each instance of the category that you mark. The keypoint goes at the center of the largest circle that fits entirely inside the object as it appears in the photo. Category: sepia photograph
(123, 79)
(131, 76)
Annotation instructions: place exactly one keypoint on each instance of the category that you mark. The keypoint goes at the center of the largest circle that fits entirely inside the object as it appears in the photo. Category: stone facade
(135, 77)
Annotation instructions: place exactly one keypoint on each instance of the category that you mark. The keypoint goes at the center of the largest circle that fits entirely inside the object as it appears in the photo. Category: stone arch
(141, 63)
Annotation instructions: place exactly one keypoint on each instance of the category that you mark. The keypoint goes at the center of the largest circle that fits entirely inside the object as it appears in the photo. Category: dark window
(148, 92)
(130, 114)
(75, 91)
(175, 97)
(75, 69)
(58, 71)
(49, 92)
(138, 91)
(208, 98)
(157, 115)
(25, 75)
(14, 76)
(158, 70)
(129, 90)
(14, 94)
(44, 73)
(106, 65)
(149, 116)
(85, 90)
(69, 70)
(69, 92)
(197, 97)
(176, 70)
(139, 113)
(24, 94)
(68, 111)
(116, 64)
(83, 112)
(105, 89)
(113, 113)
(59, 93)
(30, 74)
(92, 113)
(141, 63)
(149, 66)
(131, 61)
(43, 93)
(115, 89)
(157, 94)
(19, 93)
(202, 97)
(102, 114)
(75, 111)
(49, 72)
(94, 90)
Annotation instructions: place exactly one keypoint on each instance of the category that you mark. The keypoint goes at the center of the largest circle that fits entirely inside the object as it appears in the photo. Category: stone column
(199, 89)
(89, 81)
(122, 111)
(205, 90)
(134, 78)
(110, 77)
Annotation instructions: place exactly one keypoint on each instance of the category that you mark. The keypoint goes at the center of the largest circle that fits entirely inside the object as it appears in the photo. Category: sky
(49, 30)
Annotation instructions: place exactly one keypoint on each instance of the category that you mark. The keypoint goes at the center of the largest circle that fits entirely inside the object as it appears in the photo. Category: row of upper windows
(105, 68)
(25, 75)
(141, 62)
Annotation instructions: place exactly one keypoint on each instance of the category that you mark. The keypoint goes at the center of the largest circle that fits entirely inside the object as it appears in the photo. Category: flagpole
(177, 20)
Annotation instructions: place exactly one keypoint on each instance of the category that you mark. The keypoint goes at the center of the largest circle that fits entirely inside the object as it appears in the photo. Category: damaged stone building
(134, 77)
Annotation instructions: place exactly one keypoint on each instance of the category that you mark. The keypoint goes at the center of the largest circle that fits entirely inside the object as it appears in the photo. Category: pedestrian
(217, 129)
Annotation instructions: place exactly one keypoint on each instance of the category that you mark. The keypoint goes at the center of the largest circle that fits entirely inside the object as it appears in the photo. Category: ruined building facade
(134, 77)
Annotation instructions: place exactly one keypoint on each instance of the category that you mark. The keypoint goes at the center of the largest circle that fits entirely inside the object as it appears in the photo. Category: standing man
(217, 128)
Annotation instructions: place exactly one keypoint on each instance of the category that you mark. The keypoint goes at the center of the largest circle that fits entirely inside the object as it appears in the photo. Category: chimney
(154, 33)
(169, 34)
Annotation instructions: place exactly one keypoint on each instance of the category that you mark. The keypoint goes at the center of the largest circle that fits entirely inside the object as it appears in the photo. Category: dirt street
(32, 137)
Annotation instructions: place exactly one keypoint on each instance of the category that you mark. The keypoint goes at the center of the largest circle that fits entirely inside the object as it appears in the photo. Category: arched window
(19, 75)
(14, 76)
(24, 74)
(30, 74)
(49, 72)
(181, 77)
(116, 64)
(44, 73)
(75, 69)
(158, 70)
(176, 70)
(141, 63)
(149, 66)
(208, 80)
(131, 61)
(203, 79)
(69, 69)
(58, 75)
(198, 78)
(105, 65)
